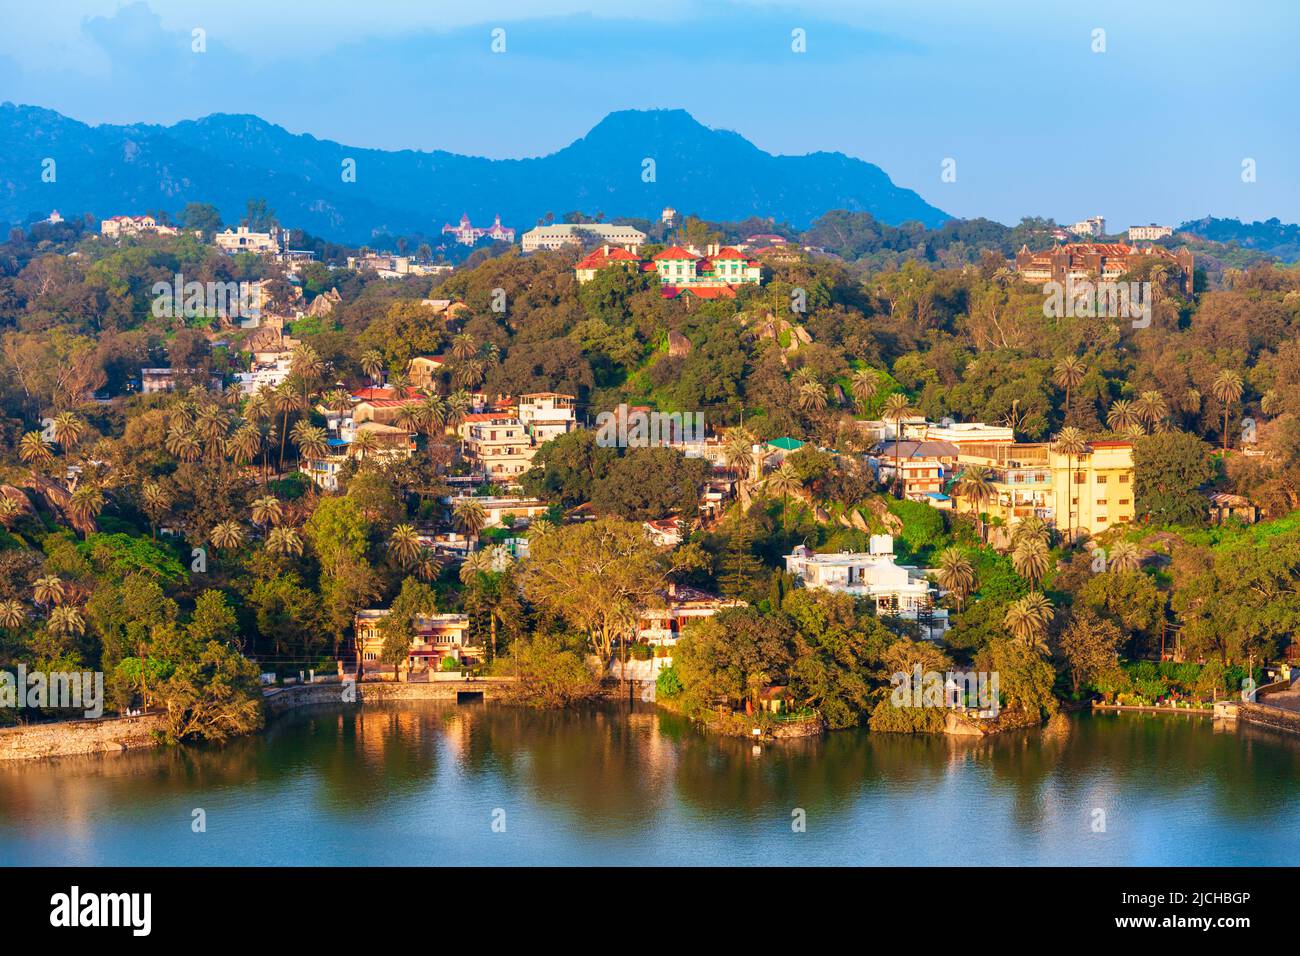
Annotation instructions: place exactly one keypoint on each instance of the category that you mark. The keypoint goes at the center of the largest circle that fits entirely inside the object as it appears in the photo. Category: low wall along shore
(69, 737)
(111, 735)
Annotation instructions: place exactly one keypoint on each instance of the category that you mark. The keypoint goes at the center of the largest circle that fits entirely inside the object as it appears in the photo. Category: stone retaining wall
(1265, 716)
(68, 737)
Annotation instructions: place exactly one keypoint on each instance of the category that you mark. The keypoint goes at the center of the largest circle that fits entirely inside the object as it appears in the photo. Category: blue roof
(335, 442)
(936, 496)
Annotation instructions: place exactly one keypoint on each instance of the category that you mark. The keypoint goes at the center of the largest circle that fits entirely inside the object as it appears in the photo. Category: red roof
(675, 252)
(599, 258)
(700, 292)
(370, 394)
(729, 252)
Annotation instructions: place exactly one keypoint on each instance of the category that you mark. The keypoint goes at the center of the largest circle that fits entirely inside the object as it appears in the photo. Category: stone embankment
(70, 737)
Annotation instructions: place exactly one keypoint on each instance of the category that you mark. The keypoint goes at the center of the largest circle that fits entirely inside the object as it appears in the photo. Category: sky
(1150, 120)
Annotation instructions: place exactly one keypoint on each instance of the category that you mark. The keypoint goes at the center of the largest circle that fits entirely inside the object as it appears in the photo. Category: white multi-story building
(119, 226)
(573, 234)
(242, 239)
(1149, 233)
(271, 373)
(896, 590)
(546, 415)
(1094, 226)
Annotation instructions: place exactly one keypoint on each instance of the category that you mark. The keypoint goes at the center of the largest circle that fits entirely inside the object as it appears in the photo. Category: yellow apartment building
(1101, 492)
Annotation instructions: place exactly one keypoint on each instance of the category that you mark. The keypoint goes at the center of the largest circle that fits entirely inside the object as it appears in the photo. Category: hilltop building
(467, 234)
(1093, 261)
(573, 234)
(1149, 233)
(1092, 227)
(116, 227)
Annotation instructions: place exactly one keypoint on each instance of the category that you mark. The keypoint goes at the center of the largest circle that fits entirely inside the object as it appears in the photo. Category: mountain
(227, 159)
(1272, 237)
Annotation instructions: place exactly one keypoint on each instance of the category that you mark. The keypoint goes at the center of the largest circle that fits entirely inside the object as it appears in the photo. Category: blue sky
(1153, 129)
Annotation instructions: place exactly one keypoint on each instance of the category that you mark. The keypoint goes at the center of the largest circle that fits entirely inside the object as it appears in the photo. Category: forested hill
(223, 159)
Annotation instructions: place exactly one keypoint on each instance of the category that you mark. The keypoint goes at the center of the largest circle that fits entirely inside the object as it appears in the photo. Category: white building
(896, 590)
(116, 227)
(1149, 233)
(1094, 226)
(242, 239)
(547, 415)
(573, 234)
(271, 373)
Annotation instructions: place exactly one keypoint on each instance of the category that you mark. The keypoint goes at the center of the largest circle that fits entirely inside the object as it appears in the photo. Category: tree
(1070, 443)
(226, 535)
(35, 451)
(267, 510)
(1068, 374)
(470, 516)
(1169, 470)
(593, 574)
(975, 484)
(404, 543)
(897, 407)
(284, 541)
(785, 483)
(1031, 560)
(85, 504)
(398, 626)
(1122, 415)
(1027, 620)
(648, 484)
(864, 384)
(48, 589)
(1227, 390)
(1090, 647)
(213, 697)
(68, 429)
(67, 621)
(1124, 556)
(956, 574)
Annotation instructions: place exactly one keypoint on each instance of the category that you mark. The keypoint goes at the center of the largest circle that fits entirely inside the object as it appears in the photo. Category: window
(1123, 501)
(1101, 501)
(1101, 479)
(1080, 477)
(1123, 479)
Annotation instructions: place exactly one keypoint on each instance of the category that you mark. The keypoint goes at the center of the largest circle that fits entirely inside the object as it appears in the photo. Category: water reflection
(625, 784)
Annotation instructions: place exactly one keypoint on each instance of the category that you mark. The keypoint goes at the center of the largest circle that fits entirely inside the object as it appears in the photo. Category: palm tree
(364, 443)
(85, 504)
(897, 407)
(463, 346)
(480, 562)
(68, 429)
(404, 543)
(183, 442)
(1032, 527)
(286, 401)
(1070, 443)
(267, 510)
(1151, 407)
(470, 516)
(10, 509)
(408, 417)
(1227, 389)
(1271, 403)
(12, 614)
(433, 415)
(1125, 556)
(245, 443)
(35, 451)
(67, 621)
(226, 535)
(310, 439)
(956, 574)
(1069, 374)
(372, 364)
(427, 565)
(1031, 560)
(212, 423)
(738, 452)
(785, 482)
(811, 397)
(155, 501)
(48, 590)
(1122, 415)
(284, 540)
(975, 484)
(864, 385)
(1027, 620)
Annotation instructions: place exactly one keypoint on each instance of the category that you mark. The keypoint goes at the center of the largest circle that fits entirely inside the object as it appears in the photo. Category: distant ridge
(227, 159)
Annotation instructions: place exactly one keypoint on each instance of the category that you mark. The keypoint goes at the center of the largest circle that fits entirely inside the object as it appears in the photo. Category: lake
(428, 784)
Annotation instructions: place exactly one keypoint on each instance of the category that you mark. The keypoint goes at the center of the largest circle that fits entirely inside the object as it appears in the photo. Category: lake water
(429, 784)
